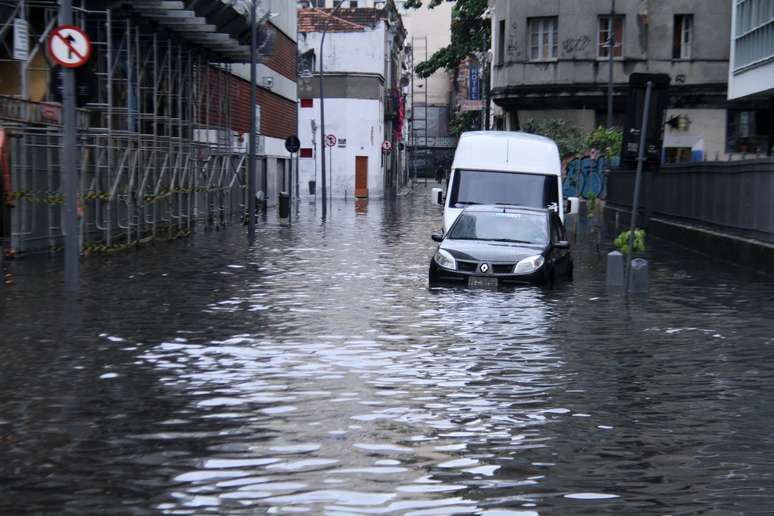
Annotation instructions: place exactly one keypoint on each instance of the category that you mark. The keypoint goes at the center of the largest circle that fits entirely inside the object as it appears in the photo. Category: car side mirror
(572, 205)
(562, 244)
(436, 196)
(437, 237)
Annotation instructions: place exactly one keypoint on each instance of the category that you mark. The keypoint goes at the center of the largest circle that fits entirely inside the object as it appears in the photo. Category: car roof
(509, 208)
(506, 151)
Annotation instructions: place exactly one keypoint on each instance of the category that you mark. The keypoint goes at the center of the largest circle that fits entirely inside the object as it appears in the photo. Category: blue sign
(474, 89)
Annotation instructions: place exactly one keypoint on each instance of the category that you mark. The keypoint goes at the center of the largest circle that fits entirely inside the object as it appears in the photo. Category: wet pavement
(317, 373)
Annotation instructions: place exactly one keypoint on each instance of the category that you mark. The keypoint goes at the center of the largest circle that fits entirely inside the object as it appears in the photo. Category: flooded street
(317, 373)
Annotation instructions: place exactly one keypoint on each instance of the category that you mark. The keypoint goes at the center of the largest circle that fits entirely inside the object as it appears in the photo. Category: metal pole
(68, 168)
(638, 180)
(610, 51)
(251, 179)
(322, 109)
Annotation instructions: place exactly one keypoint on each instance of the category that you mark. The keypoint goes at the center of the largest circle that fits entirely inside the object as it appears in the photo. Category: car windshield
(524, 228)
(482, 187)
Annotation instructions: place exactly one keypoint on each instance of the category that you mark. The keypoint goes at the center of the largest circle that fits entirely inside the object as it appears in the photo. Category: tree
(470, 33)
(567, 135)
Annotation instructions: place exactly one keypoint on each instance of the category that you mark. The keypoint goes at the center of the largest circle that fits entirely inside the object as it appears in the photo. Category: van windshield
(486, 187)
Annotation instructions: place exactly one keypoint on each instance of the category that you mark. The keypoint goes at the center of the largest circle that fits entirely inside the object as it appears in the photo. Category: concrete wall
(362, 52)
(360, 122)
(583, 118)
(706, 132)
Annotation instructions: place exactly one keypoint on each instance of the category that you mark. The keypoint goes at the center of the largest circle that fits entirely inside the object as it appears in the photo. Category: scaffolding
(419, 124)
(156, 150)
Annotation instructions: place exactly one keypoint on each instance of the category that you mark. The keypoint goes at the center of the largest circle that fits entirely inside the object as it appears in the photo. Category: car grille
(467, 266)
(503, 268)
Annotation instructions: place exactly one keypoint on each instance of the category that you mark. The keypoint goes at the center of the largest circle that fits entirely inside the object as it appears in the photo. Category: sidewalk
(745, 248)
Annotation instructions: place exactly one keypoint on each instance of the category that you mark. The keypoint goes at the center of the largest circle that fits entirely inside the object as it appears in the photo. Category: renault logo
(484, 268)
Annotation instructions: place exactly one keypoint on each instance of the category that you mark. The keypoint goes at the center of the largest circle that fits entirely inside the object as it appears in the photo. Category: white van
(497, 167)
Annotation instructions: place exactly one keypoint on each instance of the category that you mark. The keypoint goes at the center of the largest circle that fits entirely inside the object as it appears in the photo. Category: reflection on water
(317, 373)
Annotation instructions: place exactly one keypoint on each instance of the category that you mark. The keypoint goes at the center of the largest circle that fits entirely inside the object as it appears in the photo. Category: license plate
(481, 282)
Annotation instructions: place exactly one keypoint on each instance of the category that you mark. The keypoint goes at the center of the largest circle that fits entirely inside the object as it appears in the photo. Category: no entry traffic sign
(331, 140)
(69, 46)
(387, 146)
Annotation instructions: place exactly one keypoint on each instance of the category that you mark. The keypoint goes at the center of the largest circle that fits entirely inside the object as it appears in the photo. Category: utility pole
(322, 109)
(68, 167)
(251, 179)
(610, 51)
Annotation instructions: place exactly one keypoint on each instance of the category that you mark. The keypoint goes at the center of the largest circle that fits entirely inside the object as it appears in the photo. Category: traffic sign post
(69, 46)
(331, 140)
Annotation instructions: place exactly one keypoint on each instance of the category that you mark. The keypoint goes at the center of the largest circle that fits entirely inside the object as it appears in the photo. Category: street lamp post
(322, 110)
(251, 179)
(610, 52)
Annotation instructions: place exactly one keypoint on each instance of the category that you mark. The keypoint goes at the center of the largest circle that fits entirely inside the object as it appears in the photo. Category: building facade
(751, 76)
(364, 104)
(550, 60)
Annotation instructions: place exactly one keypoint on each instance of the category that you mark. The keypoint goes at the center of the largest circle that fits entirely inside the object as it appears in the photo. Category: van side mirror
(436, 196)
(437, 237)
(562, 244)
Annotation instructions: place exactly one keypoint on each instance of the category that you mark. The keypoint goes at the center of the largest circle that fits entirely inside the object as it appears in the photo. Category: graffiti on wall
(575, 45)
(513, 47)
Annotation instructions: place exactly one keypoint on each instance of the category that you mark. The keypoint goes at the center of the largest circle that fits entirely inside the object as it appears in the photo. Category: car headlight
(529, 265)
(445, 259)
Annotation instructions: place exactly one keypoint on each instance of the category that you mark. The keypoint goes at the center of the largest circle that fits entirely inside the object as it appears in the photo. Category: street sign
(635, 102)
(387, 146)
(330, 140)
(21, 39)
(69, 46)
(292, 144)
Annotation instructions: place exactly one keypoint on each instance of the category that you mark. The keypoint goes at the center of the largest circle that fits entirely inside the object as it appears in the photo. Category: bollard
(284, 205)
(615, 269)
(638, 279)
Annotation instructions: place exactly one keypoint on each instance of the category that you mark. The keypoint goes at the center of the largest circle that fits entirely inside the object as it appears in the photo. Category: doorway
(361, 176)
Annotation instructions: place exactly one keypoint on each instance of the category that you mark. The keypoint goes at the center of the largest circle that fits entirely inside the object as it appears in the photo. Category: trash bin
(312, 187)
(284, 205)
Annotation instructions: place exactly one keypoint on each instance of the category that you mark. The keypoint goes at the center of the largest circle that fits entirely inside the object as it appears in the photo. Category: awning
(221, 26)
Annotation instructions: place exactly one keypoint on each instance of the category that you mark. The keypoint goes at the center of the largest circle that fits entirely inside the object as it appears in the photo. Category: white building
(751, 77)
(363, 105)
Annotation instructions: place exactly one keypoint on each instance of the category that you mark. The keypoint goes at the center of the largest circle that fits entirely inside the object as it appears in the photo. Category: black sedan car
(495, 245)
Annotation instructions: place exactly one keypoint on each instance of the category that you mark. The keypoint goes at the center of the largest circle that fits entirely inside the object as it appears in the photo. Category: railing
(734, 194)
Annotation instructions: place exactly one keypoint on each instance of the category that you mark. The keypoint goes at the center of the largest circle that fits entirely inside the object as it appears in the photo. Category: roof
(507, 152)
(346, 20)
(486, 208)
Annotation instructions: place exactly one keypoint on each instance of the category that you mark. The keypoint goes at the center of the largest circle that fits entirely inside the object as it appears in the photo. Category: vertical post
(610, 52)
(251, 179)
(638, 180)
(322, 109)
(68, 170)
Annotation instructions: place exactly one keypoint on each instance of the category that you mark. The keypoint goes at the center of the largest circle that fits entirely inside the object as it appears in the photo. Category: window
(683, 36)
(501, 43)
(543, 38)
(353, 3)
(603, 45)
(306, 153)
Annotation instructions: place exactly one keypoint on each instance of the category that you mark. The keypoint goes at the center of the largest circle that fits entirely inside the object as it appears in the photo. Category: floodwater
(316, 373)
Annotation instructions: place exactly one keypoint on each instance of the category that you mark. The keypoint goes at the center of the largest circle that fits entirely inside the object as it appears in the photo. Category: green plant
(591, 197)
(607, 141)
(465, 121)
(622, 241)
(567, 135)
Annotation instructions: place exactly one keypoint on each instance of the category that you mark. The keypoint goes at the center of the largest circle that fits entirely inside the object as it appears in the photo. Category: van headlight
(445, 259)
(529, 265)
